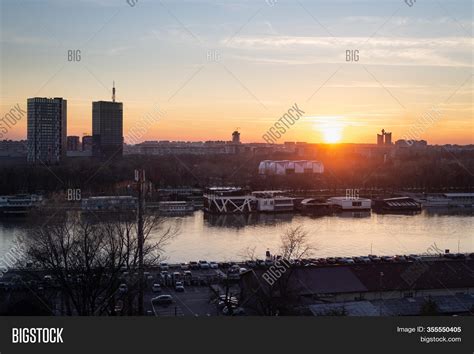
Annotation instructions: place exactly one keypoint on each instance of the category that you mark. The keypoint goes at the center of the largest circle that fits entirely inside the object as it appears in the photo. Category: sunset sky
(214, 66)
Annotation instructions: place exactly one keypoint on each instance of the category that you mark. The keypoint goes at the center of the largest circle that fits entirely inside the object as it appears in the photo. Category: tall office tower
(107, 128)
(379, 139)
(73, 143)
(87, 143)
(47, 129)
(236, 137)
(385, 138)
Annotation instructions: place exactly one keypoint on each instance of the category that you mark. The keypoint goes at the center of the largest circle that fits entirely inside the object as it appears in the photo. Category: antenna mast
(113, 92)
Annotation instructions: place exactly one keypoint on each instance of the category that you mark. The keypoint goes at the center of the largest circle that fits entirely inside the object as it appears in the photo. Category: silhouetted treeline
(428, 169)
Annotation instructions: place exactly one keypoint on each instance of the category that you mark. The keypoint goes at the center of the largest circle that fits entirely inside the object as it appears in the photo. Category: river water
(227, 237)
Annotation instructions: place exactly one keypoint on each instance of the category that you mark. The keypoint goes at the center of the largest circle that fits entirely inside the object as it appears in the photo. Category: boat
(460, 200)
(397, 205)
(109, 204)
(224, 200)
(273, 201)
(172, 207)
(19, 204)
(348, 203)
(316, 206)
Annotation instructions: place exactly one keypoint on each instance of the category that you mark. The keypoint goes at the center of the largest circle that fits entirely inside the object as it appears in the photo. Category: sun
(330, 128)
(331, 134)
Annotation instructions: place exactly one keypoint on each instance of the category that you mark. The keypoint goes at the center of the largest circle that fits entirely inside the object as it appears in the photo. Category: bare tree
(295, 244)
(86, 259)
(273, 291)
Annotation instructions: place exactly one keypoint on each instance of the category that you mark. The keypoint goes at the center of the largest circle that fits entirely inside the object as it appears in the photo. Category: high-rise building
(107, 128)
(236, 137)
(73, 143)
(87, 143)
(385, 138)
(379, 139)
(47, 129)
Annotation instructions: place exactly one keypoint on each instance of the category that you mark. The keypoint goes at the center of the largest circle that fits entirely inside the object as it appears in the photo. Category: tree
(295, 244)
(86, 259)
(274, 290)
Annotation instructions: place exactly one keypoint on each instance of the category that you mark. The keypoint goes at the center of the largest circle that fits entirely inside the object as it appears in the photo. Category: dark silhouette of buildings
(385, 138)
(47, 129)
(107, 128)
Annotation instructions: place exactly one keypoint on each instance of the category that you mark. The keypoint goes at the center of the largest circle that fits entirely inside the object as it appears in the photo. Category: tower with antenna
(107, 128)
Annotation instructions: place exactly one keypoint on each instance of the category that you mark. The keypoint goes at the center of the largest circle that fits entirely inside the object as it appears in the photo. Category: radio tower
(113, 92)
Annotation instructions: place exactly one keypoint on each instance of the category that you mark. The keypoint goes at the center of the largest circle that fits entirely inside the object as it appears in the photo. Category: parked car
(156, 288)
(345, 260)
(414, 258)
(193, 265)
(224, 264)
(387, 259)
(234, 269)
(260, 262)
(374, 258)
(251, 264)
(331, 260)
(165, 277)
(184, 266)
(203, 265)
(400, 258)
(268, 262)
(164, 266)
(187, 273)
(179, 287)
(176, 276)
(213, 265)
(228, 298)
(242, 270)
(162, 300)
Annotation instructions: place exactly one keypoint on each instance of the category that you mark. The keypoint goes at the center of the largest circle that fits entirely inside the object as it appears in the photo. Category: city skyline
(212, 68)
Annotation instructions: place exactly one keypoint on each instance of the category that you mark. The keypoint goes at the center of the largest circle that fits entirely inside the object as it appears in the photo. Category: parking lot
(194, 301)
(197, 299)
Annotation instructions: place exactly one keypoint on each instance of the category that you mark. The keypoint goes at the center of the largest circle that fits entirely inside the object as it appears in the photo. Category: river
(227, 237)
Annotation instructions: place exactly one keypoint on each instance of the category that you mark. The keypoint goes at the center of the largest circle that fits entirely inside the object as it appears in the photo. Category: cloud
(304, 50)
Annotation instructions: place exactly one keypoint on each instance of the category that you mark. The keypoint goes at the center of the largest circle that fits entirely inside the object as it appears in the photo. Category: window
(356, 204)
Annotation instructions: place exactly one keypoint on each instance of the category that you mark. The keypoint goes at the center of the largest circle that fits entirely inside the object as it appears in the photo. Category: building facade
(47, 130)
(107, 129)
(73, 143)
(87, 143)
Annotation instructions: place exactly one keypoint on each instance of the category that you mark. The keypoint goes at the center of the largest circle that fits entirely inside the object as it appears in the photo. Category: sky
(211, 67)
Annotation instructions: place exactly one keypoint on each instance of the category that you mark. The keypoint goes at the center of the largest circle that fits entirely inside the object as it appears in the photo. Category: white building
(287, 167)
